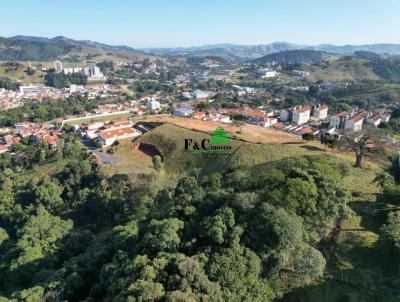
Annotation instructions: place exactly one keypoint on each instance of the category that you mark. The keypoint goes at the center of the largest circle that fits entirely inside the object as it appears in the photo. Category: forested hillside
(79, 233)
(292, 56)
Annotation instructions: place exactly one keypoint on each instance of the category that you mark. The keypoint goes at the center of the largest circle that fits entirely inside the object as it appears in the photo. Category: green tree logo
(220, 136)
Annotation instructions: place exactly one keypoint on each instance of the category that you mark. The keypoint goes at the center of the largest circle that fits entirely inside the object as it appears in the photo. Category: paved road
(101, 153)
(106, 158)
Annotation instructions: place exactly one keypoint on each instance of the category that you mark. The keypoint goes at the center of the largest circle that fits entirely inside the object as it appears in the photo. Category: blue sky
(168, 23)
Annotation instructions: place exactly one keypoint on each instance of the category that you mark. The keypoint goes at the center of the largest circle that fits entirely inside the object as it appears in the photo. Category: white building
(108, 137)
(301, 115)
(385, 117)
(338, 121)
(225, 119)
(374, 120)
(266, 73)
(58, 66)
(198, 94)
(183, 111)
(286, 115)
(301, 73)
(93, 73)
(270, 121)
(153, 105)
(29, 89)
(355, 123)
(187, 95)
(320, 111)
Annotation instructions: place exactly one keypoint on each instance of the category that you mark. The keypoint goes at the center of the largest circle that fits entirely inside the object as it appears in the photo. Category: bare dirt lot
(251, 133)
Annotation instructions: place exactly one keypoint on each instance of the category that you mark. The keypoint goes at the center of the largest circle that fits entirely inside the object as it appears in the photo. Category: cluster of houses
(308, 119)
(12, 99)
(33, 131)
(354, 121)
(302, 114)
(108, 132)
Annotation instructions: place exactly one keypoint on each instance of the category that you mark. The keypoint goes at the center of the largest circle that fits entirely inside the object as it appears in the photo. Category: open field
(247, 132)
(104, 118)
(19, 74)
(355, 69)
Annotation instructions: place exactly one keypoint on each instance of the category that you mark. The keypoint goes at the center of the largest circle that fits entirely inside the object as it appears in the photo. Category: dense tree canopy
(81, 234)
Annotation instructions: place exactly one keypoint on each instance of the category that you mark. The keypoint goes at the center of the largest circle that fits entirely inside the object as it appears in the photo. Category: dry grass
(247, 132)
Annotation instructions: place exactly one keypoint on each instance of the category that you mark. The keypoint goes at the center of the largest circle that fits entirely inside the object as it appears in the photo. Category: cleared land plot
(247, 132)
(108, 117)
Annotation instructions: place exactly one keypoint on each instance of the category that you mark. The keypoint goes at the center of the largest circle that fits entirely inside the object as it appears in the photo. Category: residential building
(286, 115)
(374, 120)
(268, 122)
(29, 89)
(183, 111)
(338, 121)
(265, 73)
(199, 94)
(320, 111)
(153, 105)
(301, 73)
(58, 66)
(301, 115)
(198, 115)
(224, 119)
(186, 95)
(385, 117)
(355, 123)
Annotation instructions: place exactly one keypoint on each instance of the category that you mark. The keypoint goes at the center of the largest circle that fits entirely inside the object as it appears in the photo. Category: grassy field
(355, 69)
(100, 118)
(247, 132)
(19, 73)
(359, 265)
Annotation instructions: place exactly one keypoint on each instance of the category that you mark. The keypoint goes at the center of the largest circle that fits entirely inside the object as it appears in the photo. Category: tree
(308, 136)
(368, 141)
(3, 236)
(308, 263)
(157, 162)
(392, 228)
(238, 271)
(48, 194)
(217, 228)
(38, 237)
(383, 179)
(163, 235)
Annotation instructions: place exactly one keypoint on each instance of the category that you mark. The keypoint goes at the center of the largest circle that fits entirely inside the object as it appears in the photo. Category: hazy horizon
(204, 45)
(161, 24)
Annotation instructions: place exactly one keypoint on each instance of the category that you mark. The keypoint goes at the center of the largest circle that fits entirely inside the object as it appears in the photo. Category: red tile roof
(116, 133)
(342, 114)
(357, 118)
(278, 126)
(303, 109)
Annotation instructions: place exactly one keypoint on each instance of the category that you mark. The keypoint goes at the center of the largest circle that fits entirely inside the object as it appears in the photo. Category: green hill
(292, 57)
(168, 140)
(342, 68)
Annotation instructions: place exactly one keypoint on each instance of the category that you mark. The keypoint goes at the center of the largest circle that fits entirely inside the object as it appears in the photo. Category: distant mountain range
(251, 52)
(40, 48)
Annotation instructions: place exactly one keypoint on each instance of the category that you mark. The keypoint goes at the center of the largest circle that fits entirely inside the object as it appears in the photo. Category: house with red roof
(355, 123)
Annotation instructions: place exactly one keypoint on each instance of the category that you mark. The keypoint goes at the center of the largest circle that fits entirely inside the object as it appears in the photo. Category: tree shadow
(312, 148)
